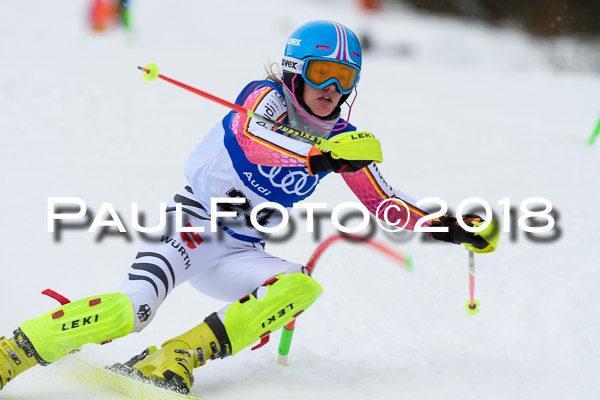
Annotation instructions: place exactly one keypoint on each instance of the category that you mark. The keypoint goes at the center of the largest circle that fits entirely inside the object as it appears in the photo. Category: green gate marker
(595, 133)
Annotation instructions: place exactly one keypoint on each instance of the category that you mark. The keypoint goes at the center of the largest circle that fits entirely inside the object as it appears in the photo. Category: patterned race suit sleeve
(371, 189)
(261, 144)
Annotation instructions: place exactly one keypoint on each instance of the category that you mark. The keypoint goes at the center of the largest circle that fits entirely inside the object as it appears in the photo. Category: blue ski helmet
(322, 53)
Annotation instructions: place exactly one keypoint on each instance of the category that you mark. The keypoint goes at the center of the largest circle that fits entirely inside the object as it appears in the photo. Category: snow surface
(463, 110)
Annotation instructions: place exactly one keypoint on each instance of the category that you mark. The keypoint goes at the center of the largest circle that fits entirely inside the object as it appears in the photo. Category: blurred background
(549, 22)
(578, 20)
(538, 17)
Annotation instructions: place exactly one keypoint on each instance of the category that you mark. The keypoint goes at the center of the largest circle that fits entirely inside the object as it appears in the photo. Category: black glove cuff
(319, 163)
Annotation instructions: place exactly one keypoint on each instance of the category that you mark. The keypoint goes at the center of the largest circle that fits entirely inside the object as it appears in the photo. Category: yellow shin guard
(92, 320)
(246, 321)
(250, 319)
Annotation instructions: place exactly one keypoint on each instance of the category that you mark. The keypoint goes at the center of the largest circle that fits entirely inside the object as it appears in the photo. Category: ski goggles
(320, 73)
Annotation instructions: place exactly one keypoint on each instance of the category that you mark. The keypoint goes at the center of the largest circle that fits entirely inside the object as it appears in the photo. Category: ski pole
(287, 332)
(348, 145)
(472, 305)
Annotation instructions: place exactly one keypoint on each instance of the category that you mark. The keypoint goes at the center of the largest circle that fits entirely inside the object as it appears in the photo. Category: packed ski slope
(463, 111)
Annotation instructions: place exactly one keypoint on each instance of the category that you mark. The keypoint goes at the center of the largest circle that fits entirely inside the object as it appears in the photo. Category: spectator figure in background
(370, 9)
(105, 14)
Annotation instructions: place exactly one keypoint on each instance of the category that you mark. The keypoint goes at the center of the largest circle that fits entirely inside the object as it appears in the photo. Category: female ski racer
(248, 160)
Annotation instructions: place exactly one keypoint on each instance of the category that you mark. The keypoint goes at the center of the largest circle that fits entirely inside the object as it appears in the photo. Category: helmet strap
(351, 104)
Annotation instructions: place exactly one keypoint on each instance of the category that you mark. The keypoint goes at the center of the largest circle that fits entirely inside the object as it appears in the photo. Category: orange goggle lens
(321, 73)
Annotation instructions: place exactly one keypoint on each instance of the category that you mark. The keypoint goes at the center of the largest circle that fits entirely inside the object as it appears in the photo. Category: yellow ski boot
(16, 356)
(172, 366)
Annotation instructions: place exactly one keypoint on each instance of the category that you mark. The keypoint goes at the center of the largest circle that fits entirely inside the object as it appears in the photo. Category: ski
(100, 376)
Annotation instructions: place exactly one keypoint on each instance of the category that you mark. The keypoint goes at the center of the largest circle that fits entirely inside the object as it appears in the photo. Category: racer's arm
(260, 142)
(372, 190)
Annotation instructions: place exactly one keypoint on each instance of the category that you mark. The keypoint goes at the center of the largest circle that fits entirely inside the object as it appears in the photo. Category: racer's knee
(144, 308)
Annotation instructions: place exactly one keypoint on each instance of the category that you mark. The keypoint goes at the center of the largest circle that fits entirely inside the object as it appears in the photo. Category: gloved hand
(318, 161)
(485, 241)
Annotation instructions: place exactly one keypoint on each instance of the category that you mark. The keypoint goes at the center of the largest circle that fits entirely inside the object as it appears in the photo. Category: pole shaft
(472, 277)
(322, 144)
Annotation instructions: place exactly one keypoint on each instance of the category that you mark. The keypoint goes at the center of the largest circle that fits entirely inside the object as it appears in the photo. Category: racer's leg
(161, 265)
(268, 293)
(167, 260)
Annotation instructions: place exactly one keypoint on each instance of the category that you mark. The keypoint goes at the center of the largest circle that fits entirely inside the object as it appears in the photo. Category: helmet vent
(321, 47)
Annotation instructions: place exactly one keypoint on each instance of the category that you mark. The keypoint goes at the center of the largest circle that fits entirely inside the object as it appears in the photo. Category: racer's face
(321, 102)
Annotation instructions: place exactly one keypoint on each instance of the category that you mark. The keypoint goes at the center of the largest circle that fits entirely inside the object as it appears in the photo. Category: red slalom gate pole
(311, 264)
(287, 332)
